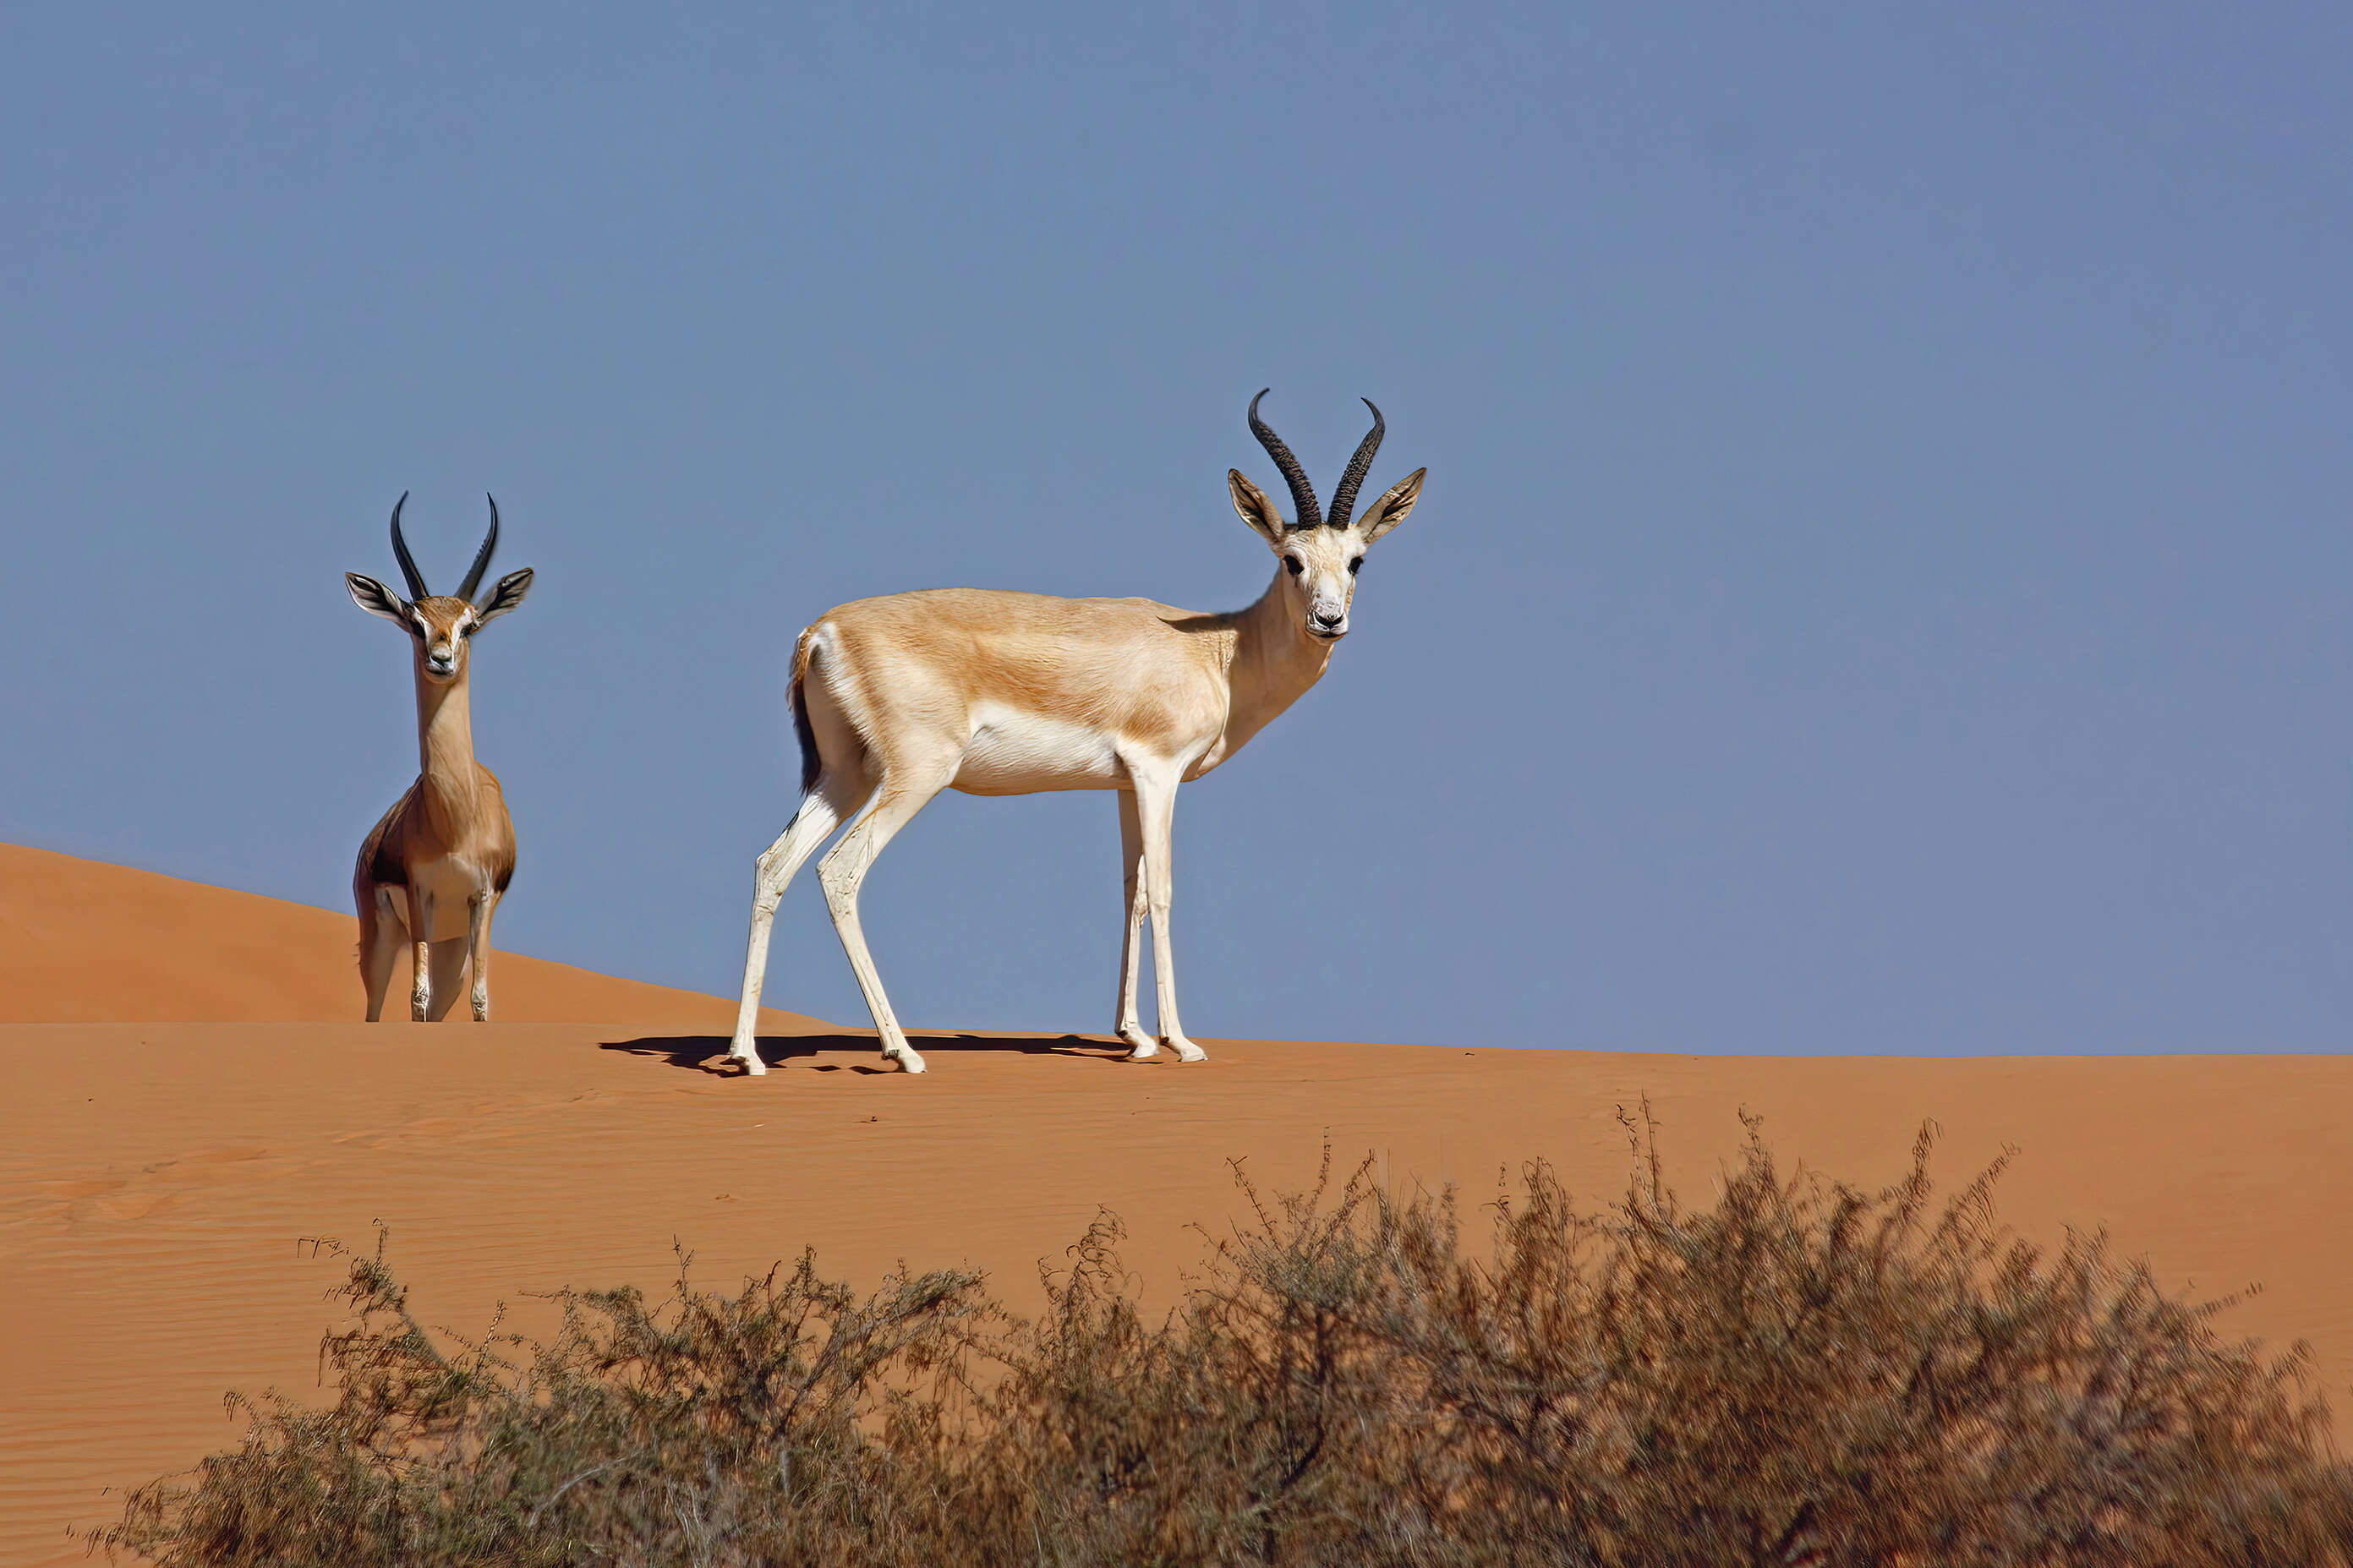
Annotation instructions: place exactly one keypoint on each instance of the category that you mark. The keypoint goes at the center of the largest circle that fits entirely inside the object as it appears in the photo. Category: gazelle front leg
(380, 944)
(1127, 1025)
(478, 950)
(420, 932)
(1155, 805)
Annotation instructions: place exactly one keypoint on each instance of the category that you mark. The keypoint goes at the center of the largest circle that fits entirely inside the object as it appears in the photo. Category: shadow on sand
(708, 1053)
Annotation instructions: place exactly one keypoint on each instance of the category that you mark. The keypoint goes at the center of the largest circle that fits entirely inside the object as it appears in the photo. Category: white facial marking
(1318, 563)
(442, 645)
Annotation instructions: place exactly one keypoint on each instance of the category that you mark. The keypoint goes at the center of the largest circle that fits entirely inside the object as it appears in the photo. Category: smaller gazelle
(1001, 693)
(431, 872)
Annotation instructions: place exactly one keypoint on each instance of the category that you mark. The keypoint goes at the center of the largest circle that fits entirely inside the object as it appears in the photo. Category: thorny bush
(1802, 1374)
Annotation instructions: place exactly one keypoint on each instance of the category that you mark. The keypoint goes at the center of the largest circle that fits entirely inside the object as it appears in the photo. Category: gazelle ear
(1391, 509)
(377, 600)
(504, 598)
(1256, 510)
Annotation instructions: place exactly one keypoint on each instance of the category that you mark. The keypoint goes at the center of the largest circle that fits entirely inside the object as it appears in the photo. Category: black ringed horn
(1302, 494)
(483, 557)
(417, 588)
(1343, 499)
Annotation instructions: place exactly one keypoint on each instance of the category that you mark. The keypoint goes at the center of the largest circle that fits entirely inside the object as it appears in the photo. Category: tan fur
(1147, 673)
(992, 693)
(431, 873)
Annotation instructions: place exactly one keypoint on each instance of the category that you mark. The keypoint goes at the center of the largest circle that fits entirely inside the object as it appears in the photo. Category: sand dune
(81, 941)
(156, 1176)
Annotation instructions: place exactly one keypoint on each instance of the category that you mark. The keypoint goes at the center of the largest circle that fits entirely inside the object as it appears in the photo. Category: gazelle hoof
(1142, 1047)
(907, 1059)
(752, 1065)
(1186, 1051)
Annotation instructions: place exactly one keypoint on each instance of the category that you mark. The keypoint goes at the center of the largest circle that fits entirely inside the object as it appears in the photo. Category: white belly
(1022, 754)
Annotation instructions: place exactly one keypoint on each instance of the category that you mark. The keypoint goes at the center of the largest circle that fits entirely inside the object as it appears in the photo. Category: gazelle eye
(1290, 563)
(1354, 562)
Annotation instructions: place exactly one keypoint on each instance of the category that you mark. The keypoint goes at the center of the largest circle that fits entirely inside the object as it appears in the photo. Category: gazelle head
(1320, 554)
(441, 623)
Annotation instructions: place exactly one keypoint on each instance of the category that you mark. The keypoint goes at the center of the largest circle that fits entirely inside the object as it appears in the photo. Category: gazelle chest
(449, 884)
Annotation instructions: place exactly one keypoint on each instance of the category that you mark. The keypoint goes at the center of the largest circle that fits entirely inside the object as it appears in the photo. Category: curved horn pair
(417, 588)
(1302, 494)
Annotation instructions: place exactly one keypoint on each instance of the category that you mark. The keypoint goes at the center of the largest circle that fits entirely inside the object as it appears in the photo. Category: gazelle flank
(990, 693)
(431, 872)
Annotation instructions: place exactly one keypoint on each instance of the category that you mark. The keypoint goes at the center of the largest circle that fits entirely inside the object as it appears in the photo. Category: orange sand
(154, 1177)
(81, 941)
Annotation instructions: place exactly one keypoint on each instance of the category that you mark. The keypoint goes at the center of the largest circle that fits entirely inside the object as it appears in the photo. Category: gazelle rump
(432, 870)
(989, 692)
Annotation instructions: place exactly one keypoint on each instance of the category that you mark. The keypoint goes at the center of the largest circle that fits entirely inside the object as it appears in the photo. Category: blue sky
(1882, 585)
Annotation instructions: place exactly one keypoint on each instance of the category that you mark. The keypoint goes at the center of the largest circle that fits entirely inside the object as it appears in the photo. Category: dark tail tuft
(811, 764)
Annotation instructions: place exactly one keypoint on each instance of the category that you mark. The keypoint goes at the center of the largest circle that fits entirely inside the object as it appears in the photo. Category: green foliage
(1802, 1374)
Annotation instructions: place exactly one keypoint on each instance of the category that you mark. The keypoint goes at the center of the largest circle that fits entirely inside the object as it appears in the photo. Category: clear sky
(1882, 585)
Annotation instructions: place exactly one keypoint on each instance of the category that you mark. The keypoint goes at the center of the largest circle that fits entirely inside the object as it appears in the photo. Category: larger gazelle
(1003, 693)
(431, 872)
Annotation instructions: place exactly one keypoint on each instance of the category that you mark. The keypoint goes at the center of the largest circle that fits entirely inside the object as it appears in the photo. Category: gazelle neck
(444, 741)
(1275, 661)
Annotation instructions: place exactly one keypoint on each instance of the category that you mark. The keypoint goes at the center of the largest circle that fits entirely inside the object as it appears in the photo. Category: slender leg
(822, 811)
(478, 947)
(381, 935)
(1156, 801)
(905, 791)
(420, 981)
(1128, 1027)
(449, 975)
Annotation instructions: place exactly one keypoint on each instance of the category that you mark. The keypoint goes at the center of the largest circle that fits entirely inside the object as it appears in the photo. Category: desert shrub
(1802, 1373)
(1806, 1372)
(782, 1423)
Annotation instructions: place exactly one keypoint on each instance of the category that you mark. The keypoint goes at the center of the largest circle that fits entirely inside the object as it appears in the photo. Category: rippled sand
(155, 1177)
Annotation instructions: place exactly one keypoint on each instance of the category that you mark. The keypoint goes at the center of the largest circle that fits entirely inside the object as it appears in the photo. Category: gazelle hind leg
(478, 951)
(1155, 801)
(837, 795)
(381, 938)
(905, 789)
(1127, 1025)
(448, 975)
